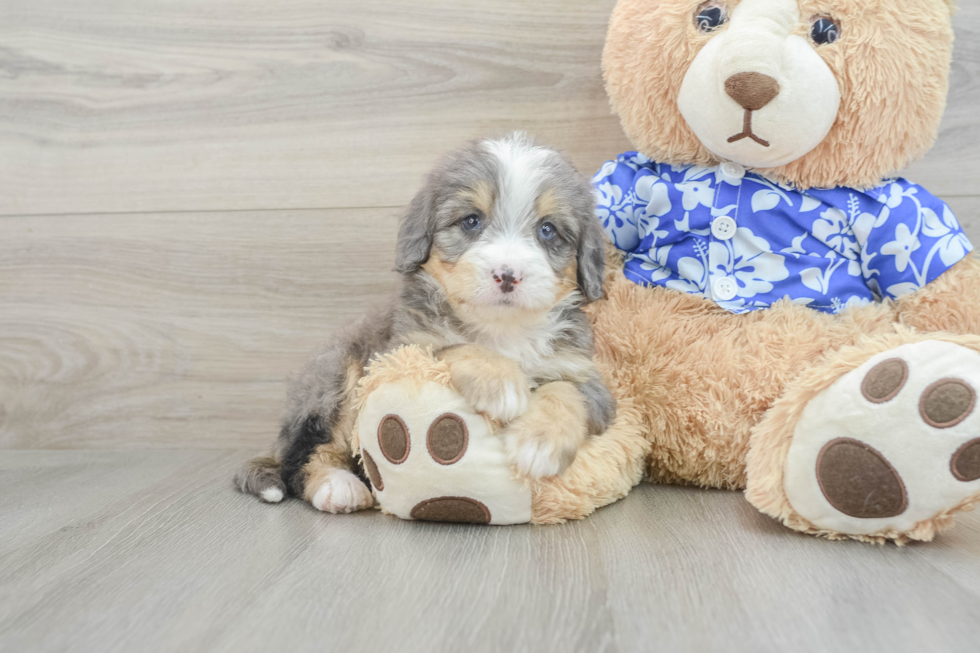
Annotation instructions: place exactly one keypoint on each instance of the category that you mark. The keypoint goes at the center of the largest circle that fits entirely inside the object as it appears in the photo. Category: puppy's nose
(752, 91)
(506, 279)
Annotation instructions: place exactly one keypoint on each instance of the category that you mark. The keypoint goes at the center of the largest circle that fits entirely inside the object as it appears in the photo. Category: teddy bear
(782, 315)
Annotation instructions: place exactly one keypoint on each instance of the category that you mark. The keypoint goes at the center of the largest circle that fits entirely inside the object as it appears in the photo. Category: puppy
(498, 253)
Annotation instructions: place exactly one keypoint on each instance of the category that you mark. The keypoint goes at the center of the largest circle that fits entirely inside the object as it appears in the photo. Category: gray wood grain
(132, 331)
(179, 106)
(162, 106)
(952, 167)
(153, 551)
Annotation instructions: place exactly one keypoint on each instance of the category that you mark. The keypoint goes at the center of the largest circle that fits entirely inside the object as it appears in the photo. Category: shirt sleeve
(914, 238)
(616, 201)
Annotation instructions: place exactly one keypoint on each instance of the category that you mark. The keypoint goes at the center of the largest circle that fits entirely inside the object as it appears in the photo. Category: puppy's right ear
(415, 234)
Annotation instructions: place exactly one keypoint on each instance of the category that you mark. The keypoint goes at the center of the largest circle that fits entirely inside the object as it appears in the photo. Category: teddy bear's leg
(879, 441)
(950, 303)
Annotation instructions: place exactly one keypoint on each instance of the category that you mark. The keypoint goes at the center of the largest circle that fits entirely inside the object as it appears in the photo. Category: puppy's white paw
(506, 403)
(538, 459)
(271, 495)
(342, 492)
(491, 384)
(538, 453)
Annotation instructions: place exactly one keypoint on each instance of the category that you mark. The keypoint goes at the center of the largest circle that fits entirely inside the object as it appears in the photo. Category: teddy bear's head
(808, 92)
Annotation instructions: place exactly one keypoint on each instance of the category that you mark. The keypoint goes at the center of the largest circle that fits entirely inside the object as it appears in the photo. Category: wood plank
(952, 167)
(175, 106)
(127, 331)
(156, 553)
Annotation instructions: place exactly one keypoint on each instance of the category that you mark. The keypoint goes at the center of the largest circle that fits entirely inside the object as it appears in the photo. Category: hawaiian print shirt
(745, 242)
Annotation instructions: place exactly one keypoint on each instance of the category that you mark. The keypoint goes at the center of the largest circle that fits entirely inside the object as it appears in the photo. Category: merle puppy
(497, 253)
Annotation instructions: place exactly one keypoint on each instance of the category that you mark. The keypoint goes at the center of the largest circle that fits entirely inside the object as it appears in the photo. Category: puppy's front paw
(496, 386)
(540, 452)
(544, 440)
(506, 401)
(342, 492)
(539, 459)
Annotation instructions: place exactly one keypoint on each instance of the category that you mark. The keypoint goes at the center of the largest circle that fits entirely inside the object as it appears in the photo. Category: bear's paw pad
(460, 473)
(889, 444)
(452, 509)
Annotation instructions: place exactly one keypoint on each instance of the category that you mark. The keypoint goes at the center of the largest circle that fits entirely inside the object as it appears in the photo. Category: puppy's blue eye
(471, 223)
(710, 16)
(824, 30)
(547, 231)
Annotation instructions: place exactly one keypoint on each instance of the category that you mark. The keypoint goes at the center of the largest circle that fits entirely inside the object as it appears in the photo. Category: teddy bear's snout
(751, 90)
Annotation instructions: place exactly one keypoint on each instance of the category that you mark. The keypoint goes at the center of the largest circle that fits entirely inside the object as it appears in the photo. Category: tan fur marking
(567, 282)
(557, 415)
(456, 278)
(338, 453)
(569, 367)
(482, 195)
(476, 353)
(548, 204)
(481, 376)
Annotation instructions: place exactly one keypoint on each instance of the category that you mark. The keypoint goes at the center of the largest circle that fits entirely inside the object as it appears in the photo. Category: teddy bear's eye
(710, 17)
(824, 30)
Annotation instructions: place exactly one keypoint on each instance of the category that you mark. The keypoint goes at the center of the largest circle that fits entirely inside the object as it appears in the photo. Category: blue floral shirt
(745, 242)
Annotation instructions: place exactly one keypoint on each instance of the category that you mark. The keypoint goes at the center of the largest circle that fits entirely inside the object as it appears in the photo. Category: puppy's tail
(260, 476)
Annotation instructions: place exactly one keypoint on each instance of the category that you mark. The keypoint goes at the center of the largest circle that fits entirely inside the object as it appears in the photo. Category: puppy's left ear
(414, 234)
(591, 258)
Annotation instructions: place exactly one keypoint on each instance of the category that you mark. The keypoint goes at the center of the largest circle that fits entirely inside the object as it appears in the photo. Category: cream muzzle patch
(757, 94)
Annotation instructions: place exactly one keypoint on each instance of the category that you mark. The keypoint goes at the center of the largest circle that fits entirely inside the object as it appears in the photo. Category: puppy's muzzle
(506, 279)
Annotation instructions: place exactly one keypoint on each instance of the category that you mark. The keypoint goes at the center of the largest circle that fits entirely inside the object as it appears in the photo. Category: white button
(732, 170)
(725, 288)
(723, 227)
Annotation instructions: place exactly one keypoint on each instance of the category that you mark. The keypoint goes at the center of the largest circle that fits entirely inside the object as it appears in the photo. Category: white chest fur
(532, 345)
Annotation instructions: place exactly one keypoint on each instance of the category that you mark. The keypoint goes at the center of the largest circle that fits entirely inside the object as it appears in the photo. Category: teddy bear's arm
(950, 303)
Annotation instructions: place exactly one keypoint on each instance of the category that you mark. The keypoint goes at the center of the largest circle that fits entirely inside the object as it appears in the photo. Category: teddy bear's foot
(890, 449)
(429, 454)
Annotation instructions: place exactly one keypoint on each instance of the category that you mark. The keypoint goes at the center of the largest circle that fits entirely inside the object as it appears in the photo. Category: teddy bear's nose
(752, 91)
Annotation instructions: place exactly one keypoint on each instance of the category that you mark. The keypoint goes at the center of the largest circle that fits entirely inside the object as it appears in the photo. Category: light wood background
(193, 194)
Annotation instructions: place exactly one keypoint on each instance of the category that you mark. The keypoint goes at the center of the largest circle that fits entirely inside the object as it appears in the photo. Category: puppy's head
(506, 227)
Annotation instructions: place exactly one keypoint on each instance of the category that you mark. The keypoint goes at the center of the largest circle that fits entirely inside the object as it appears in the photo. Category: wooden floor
(137, 551)
(192, 196)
